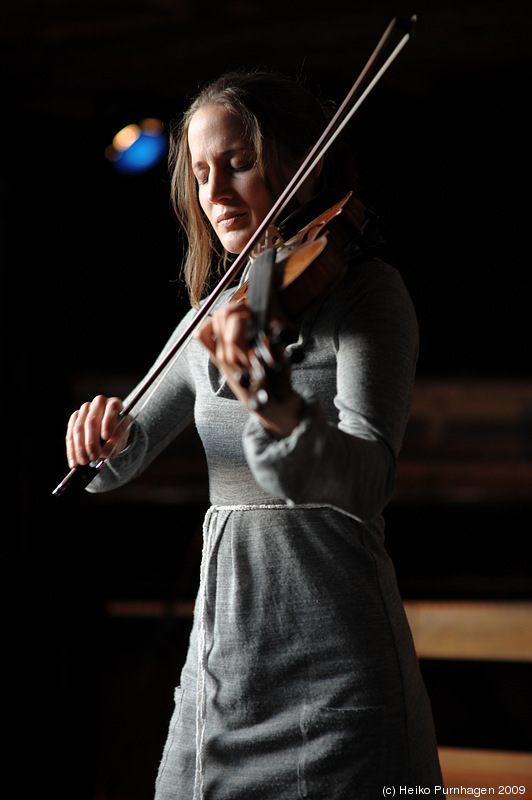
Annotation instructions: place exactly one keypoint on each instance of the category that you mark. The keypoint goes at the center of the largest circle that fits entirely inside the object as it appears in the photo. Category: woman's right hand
(96, 431)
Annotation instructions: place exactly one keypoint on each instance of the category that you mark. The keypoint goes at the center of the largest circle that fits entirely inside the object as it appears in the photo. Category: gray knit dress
(301, 679)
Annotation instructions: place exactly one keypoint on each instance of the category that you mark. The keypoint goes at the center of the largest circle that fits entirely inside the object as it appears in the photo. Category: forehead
(215, 129)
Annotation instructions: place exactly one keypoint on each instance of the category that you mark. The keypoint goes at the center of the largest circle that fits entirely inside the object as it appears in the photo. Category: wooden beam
(492, 770)
(150, 609)
(494, 631)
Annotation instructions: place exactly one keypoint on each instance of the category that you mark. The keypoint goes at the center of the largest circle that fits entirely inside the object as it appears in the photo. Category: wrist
(280, 418)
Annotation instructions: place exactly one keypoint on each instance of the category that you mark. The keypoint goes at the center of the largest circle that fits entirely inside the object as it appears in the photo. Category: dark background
(90, 261)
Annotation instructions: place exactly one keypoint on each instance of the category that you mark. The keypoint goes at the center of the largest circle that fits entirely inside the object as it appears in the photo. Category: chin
(234, 244)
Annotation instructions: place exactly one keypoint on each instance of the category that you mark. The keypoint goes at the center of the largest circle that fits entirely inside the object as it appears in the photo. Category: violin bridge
(270, 238)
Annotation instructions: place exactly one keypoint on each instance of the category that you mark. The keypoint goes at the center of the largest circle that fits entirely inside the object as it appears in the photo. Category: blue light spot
(146, 151)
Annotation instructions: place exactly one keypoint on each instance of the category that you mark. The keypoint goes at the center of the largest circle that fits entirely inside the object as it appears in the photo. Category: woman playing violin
(301, 678)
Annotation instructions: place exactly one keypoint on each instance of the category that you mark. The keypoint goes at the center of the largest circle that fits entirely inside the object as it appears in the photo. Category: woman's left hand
(225, 334)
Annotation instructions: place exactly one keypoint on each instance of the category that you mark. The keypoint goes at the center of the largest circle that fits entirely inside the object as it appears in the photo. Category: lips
(229, 218)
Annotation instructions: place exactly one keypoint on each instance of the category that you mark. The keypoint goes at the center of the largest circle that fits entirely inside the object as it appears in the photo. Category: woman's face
(231, 190)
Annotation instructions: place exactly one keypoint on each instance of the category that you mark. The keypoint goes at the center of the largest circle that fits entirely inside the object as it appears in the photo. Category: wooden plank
(473, 399)
(441, 629)
(471, 630)
(489, 477)
(149, 609)
(502, 774)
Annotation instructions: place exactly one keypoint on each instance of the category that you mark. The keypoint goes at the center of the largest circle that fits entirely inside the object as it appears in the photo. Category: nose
(219, 186)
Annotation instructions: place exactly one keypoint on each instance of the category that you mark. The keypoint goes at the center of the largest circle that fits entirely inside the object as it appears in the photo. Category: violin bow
(393, 40)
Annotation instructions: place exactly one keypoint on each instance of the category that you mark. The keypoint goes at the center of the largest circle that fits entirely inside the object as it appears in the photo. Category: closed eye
(245, 167)
(203, 177)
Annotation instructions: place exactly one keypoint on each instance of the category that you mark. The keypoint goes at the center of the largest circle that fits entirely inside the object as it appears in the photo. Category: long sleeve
(345, 454)
(160, 417)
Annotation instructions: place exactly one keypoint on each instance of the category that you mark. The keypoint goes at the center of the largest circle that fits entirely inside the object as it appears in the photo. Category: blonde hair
(281, 120)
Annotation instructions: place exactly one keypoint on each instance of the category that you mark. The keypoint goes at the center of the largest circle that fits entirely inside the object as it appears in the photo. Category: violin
(320, 240)
(295, 262)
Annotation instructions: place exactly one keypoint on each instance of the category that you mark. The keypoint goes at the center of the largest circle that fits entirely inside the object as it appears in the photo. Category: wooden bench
(494, 631)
